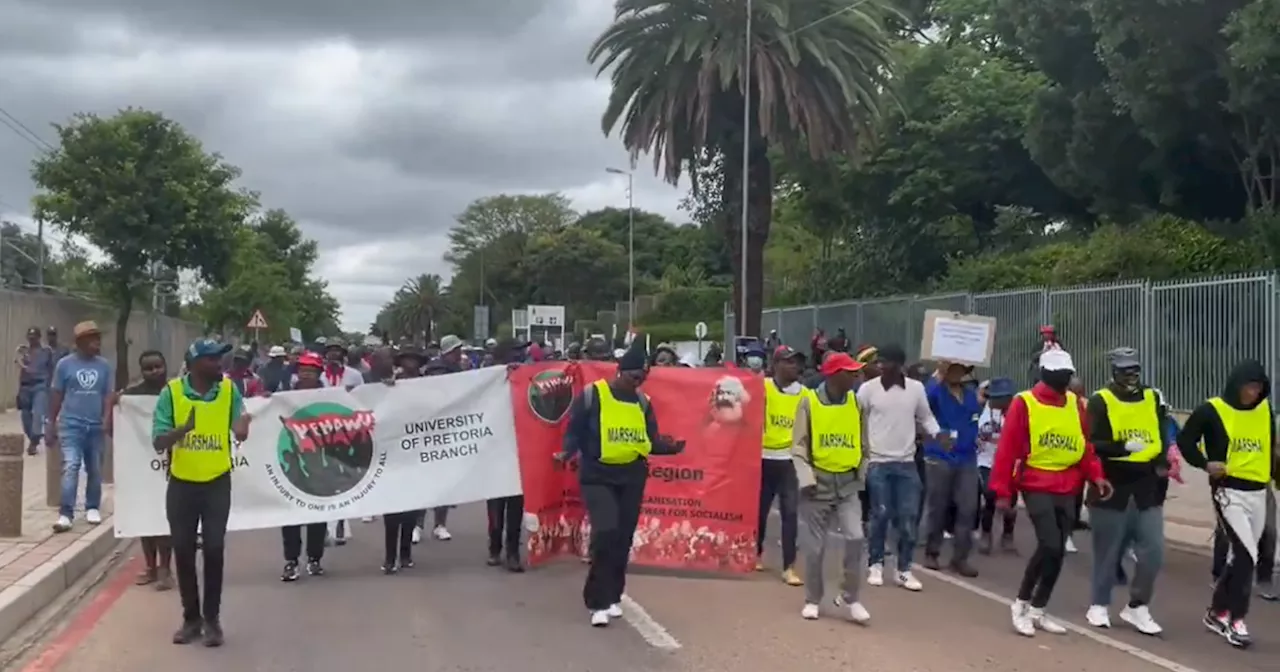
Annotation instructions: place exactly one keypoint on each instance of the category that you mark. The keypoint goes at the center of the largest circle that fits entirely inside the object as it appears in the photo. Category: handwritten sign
(954, 337)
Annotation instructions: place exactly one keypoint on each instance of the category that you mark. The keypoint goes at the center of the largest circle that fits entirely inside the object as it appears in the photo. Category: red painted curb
(85, 621)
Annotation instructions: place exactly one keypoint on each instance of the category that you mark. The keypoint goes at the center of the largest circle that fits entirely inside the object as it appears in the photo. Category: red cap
(1047, 329)
(310, 359)
(837, 362)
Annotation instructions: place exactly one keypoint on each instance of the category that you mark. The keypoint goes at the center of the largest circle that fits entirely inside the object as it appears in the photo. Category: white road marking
(1135, 651)
(651, 630)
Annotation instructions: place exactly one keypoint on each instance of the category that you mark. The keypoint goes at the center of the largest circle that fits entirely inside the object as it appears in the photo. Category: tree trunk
(759, 218)
(125, 309)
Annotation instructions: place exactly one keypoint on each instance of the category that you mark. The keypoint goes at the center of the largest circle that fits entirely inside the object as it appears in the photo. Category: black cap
(33, 331)
(634, 358)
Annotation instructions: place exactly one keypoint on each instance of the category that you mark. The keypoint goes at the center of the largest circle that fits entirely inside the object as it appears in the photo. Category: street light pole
(746, 165)
(631, 245)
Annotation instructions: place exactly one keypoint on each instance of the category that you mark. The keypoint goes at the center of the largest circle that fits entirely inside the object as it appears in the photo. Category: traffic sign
(700, 330)
(546, 316)
(257, 321)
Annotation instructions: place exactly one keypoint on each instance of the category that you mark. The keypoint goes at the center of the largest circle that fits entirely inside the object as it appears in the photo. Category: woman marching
(309, 370)
(398, 527)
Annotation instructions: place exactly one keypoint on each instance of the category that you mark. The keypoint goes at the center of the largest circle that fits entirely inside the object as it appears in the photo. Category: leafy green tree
(577, 268)
(317, 311)
(494, 218)
(415, 309)
(677, 68)
(255, 281)
(142, 190)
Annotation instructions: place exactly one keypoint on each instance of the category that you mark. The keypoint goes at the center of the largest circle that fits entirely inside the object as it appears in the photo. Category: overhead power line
(23, 131)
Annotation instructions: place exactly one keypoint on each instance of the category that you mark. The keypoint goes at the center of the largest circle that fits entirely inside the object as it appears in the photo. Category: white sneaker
(946, 535)
(442, 533)
(1099, 616)
(614, 611)
(93, 517)
(63, 524)
(809, 612)
(599, 619)
(417, 534)
(909, 581)
(367, 519)
(1140, 619)
(859, 613)
(1022, 624)
(875, 575)
(1071, 545)
(1043, 622)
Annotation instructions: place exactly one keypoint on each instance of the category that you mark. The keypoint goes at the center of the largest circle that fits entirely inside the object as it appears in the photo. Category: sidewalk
(38, 566)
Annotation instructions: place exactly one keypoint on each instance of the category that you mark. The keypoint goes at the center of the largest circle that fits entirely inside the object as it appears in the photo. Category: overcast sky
(372, 122)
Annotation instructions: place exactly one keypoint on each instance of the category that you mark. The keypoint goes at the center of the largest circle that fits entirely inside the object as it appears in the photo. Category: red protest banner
(700, 507)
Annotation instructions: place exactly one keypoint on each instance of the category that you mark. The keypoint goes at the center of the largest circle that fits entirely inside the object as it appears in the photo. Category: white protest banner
(321, 455)
(958, 338)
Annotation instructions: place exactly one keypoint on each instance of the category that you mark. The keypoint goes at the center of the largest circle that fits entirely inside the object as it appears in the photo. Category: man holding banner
(613, 430)
(210, 408)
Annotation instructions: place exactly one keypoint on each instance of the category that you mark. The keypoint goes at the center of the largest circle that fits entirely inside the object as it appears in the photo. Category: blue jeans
(893, 488)
(35, 407)
(80, 446)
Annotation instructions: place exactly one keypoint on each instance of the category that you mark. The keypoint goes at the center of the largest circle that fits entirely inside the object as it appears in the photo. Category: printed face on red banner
(700, 507)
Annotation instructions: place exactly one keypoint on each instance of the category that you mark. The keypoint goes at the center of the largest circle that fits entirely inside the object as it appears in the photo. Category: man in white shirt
(894, 408)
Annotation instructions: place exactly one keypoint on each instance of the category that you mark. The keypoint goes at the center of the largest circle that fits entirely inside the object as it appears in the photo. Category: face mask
(1058, 380)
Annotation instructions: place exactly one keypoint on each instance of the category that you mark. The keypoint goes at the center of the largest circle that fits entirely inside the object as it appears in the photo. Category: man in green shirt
(198, 499)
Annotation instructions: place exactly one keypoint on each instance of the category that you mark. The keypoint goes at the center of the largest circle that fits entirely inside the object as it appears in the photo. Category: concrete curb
(22, 600)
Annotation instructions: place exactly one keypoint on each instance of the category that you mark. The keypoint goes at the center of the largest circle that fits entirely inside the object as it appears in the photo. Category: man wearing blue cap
(211, 410)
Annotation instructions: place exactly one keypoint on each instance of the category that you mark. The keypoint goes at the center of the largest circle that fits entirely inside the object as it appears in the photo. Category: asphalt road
(452, 613)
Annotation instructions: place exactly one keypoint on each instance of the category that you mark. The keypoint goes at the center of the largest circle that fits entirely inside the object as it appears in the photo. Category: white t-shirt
(793, 388)
(989, 424)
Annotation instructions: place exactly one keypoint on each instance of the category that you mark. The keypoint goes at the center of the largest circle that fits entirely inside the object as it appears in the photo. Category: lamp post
(631, 245)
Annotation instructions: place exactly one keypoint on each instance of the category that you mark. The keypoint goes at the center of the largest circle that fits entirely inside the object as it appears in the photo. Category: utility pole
(40, 255)
(746, 166)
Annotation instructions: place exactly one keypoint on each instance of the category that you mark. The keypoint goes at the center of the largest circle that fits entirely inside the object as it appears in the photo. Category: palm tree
(818, 73)
(418, 305)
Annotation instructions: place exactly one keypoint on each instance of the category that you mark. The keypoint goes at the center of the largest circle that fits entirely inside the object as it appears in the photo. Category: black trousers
(778, 479)
(1052, 518)
(987, 514)
(192, 506)
(397, 539)
(614, 510)
(506, 515)
(292, 537)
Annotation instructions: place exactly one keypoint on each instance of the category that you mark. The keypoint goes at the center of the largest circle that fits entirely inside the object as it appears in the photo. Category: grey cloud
(369, 21)
(497, 97)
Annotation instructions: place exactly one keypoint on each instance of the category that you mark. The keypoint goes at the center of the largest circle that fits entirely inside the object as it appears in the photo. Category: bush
(1160, 247)
(689, 303)
(669, 332)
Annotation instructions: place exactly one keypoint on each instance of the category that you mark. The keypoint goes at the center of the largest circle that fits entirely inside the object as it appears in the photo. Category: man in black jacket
(1126, 427)
(1237, 431)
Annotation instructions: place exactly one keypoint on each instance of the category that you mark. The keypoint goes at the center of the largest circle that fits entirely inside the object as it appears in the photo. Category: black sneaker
(1216, 624)
(406, 563)
(189, 632)
(213, 637)
(290, 573)
(1007, 545)
(514, 564)
(1267, 591)
(314, 568)
(494, 560)
(1238, 635)
(932, 562)
(964, 569)
(390, 568)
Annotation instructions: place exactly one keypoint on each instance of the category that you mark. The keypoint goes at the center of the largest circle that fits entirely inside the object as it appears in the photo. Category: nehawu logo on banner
(326, 449)
(550, 393)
